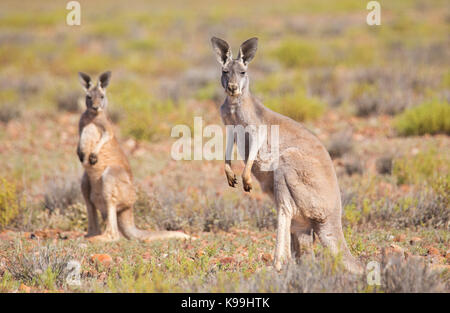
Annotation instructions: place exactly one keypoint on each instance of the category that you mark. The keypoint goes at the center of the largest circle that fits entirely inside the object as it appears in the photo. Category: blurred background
(377, 96)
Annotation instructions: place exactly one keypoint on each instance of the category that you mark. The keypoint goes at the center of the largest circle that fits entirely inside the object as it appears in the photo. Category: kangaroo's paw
(93, 158)
(247, 184)
(232, 180)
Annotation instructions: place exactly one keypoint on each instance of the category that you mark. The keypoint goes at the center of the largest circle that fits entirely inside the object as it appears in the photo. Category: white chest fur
(89, 138)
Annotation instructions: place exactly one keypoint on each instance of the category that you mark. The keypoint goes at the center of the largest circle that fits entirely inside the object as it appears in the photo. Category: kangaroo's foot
(104, 238)
(91, 234)
(160, 235)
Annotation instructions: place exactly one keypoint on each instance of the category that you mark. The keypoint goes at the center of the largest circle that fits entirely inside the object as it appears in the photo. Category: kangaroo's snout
(232, 88)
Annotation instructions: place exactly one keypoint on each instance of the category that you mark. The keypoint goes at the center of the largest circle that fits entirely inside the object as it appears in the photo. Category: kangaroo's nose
(232, 87)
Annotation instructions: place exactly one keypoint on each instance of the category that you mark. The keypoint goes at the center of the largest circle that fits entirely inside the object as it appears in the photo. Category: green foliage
(9, 106)
(297, 52)
(144, 117)
(207, 92)
(428, 118)
(297, 106)
(10, 202)
(150, 120)
(423, 167)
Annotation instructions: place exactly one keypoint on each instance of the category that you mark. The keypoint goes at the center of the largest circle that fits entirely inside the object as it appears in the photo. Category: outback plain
(376, 96)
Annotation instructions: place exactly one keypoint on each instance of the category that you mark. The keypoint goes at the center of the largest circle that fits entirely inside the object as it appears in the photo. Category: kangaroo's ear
(247, 50)
(222, 50)
(104, 79)
(85, 80)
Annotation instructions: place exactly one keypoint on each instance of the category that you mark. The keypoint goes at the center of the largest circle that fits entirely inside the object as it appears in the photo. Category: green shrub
(295, 52)
(297, 106)
(9, 107)
(424, 166)
(10, 202)
(428, 118)
(142, 116)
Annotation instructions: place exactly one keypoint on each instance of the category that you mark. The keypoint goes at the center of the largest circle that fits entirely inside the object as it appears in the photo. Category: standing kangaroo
(107, 183)
(304, 185)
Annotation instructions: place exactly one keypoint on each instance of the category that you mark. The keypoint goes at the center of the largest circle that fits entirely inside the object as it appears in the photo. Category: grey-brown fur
(304, 185)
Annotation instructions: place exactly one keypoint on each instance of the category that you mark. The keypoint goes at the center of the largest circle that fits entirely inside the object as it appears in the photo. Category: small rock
(400, 238)
(433, 251)
(390, 238)
(266, 257)
(24, 288)
(147, 256)
(104, 259)
(226, 260)
(82, 246)
(415, 240)
(393, 249)
(6, 235)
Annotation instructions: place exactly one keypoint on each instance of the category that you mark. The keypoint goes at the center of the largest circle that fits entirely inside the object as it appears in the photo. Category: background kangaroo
(107, 183)
(304, 185)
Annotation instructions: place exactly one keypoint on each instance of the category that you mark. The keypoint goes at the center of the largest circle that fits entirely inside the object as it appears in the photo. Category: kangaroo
(107, 183)
(303, 186)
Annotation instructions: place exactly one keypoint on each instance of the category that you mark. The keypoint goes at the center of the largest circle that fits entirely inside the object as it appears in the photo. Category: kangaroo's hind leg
(112, 197)
(301, 237)
(93, 226)
(331, 236)
(285, 210)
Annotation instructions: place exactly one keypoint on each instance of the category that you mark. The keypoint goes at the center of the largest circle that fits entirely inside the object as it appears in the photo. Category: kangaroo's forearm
(80, 153)
(229, 148)
(253, 151)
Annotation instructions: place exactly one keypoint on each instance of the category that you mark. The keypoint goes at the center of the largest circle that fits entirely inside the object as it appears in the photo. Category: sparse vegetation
(316, 62)
(297, 106)
(298, 53)
(10, 202)
(428, 118)
(340, 144)
(69, 102)
(425, 166)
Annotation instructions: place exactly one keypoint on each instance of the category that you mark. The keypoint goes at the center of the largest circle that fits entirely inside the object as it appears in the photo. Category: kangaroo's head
(234, 71)
(95, 95)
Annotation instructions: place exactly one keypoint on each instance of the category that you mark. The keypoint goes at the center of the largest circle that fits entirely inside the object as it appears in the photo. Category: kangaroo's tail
(128, 228)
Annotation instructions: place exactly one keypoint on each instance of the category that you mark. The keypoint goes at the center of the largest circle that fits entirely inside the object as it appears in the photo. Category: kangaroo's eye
(242, 73)
(225, 71)
(88, 97)
(102, 96)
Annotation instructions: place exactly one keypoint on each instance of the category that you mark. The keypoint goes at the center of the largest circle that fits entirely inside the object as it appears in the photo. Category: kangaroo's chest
(89, 137)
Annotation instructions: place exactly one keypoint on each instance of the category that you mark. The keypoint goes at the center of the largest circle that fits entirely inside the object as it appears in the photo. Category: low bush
(10, 202)
(297, 106)
(9, 107)
(428, 118)
(423, 167)
(295, 52)
(68, 101)
(340, 143)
